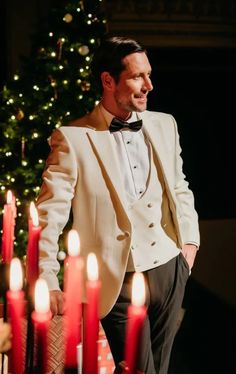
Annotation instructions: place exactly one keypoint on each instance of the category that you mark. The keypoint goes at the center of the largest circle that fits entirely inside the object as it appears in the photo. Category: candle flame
(138, 289)
(16, 278)
(42, 301)
(9, 197)
(92, 267)
(34, 214)
(73, 243)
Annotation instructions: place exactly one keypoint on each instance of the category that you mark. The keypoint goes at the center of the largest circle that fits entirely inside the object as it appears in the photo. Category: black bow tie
(117, 124)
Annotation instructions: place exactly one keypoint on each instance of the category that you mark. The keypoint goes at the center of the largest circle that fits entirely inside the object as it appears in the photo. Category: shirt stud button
(149, 205)
(151, 224)
(153, 243)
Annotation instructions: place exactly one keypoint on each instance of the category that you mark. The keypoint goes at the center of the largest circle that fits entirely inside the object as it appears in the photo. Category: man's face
(130, 93)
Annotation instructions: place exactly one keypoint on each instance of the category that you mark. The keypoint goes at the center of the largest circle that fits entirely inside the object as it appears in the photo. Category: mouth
(142, 98)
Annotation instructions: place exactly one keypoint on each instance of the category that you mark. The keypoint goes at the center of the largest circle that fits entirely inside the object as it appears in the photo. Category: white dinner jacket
(83, 172)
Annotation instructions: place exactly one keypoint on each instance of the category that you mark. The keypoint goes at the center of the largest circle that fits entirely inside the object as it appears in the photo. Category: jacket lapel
(104, 146)
(153, 131)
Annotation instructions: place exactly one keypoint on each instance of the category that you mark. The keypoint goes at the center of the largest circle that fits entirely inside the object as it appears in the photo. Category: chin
(141, 108)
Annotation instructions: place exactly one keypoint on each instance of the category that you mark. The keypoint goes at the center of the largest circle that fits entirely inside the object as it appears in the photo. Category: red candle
(73, 305)
(91, 323)
(32, 259)
(136, 316)
(41, 317)
(15, 300)
(9, 215)
(31, 214)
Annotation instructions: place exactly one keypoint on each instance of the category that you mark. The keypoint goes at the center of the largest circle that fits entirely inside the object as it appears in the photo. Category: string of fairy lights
(54, 88)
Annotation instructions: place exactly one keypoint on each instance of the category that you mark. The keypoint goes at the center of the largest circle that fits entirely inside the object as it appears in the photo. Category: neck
(116, 112)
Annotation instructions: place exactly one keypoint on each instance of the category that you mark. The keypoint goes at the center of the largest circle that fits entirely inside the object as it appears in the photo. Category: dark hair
(110, 54)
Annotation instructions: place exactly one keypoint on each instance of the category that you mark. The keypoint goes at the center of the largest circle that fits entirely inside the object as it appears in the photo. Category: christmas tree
(53, 87)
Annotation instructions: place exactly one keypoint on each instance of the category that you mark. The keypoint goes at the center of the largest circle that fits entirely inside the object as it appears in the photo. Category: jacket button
(127, 234)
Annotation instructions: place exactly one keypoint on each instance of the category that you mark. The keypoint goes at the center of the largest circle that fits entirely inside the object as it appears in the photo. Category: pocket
(185, 262)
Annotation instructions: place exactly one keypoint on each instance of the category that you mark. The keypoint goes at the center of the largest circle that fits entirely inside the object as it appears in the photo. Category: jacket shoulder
(79, 122)
(159, 115)
(69, 133)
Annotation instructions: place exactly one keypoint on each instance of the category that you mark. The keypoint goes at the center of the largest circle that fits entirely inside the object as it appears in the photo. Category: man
(131, 203)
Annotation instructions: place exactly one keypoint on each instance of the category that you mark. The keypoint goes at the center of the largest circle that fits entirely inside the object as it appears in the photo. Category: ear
(107, 80)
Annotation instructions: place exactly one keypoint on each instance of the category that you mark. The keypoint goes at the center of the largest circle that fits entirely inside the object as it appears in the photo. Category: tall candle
(136, 317)
(73, 305)
(41, 317)
(32, 259)
(15, 300)
(91, 321)
(9, 214)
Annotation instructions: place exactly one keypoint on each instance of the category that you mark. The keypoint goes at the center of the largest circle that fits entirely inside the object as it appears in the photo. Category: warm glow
(16, 278)
(92, 267)
(42, 303)
(73, 243)
(34, 214)
(9, 197)
(138, 289)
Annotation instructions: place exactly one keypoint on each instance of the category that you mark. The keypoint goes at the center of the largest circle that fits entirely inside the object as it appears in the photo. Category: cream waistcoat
(150, 245)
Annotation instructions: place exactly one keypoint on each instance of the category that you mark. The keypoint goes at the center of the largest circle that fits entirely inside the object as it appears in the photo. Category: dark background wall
(196, 86)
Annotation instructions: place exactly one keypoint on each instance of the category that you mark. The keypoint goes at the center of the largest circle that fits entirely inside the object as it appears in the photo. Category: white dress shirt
(133, 155)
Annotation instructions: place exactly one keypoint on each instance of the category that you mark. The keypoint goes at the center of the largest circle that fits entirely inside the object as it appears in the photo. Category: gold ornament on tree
(20, 115)
(83, 50)
(68, 18)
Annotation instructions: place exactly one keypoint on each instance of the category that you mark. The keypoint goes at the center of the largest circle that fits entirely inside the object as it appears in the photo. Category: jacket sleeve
(186, 214)
(54, 204)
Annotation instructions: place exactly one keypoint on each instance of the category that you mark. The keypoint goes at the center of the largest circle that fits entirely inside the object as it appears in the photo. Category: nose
(148, 84)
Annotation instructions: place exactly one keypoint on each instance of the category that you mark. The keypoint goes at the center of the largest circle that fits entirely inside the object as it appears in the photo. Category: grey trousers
(165, 286)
